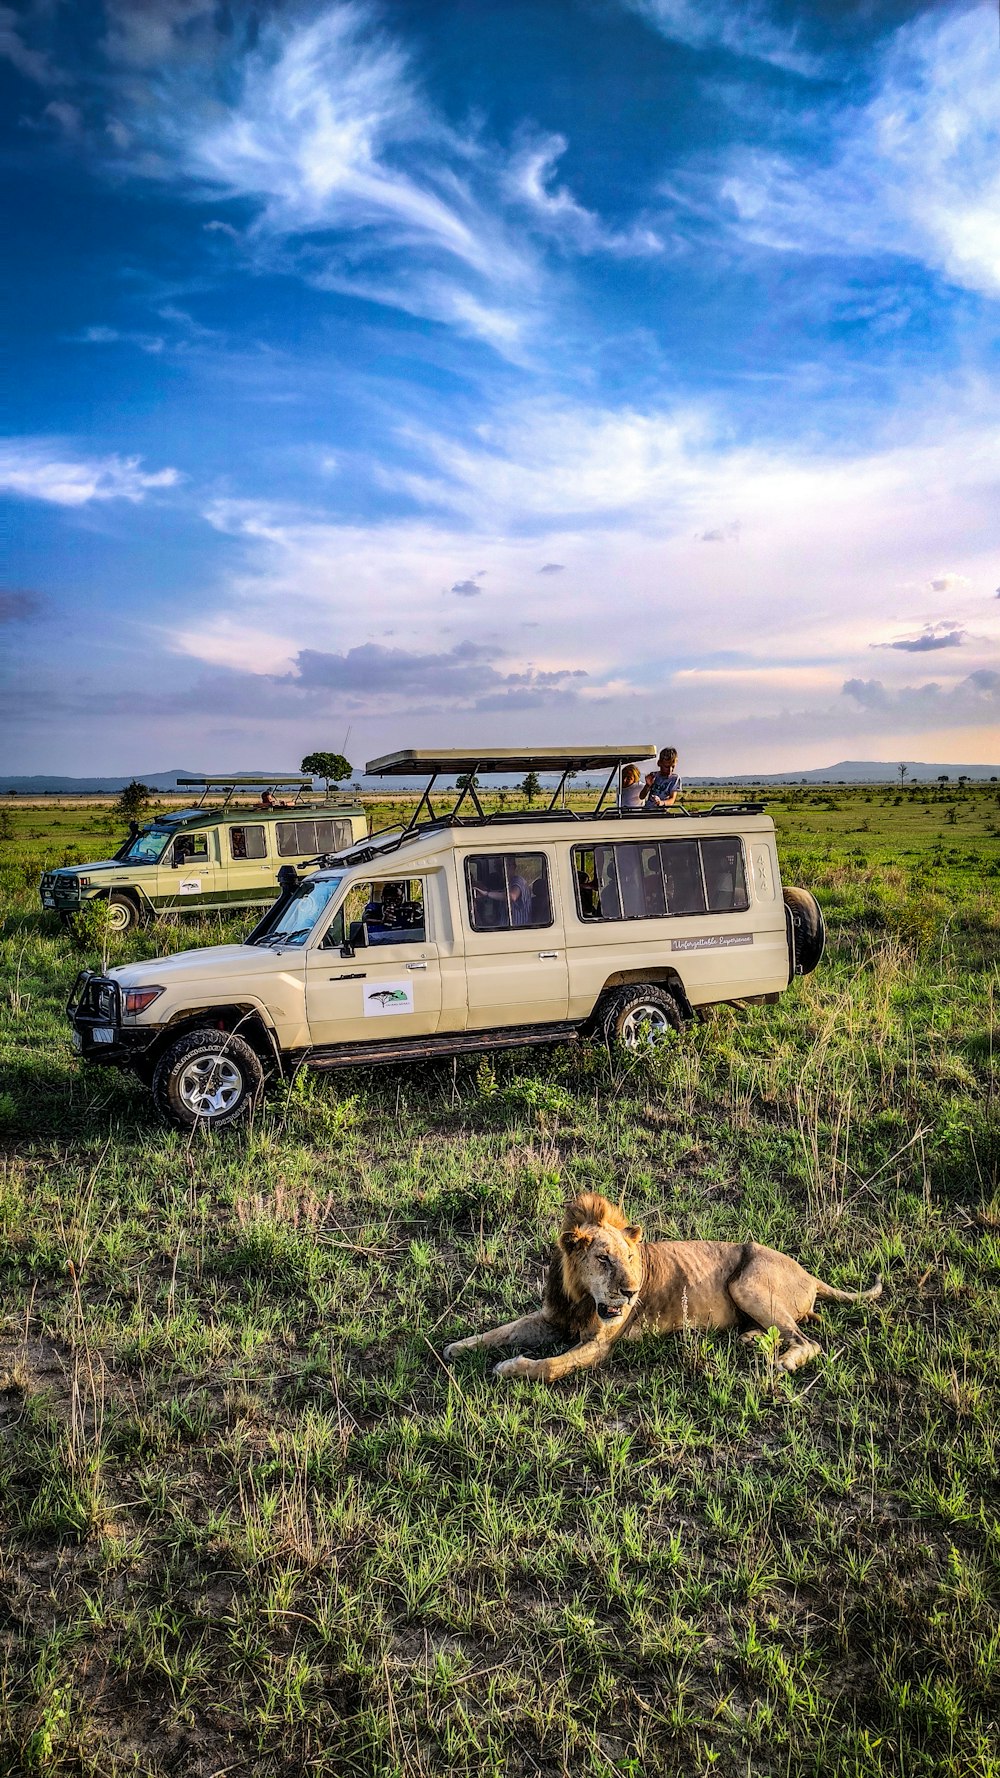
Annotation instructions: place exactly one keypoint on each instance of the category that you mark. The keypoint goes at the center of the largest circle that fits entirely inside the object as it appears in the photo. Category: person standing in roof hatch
(663, 787)
(631, 790)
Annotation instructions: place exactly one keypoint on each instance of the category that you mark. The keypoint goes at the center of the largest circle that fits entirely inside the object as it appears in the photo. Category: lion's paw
(515, 1367)
(794, 1357)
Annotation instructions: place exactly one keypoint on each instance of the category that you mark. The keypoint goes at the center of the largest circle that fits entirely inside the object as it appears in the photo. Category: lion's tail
(849, 1296)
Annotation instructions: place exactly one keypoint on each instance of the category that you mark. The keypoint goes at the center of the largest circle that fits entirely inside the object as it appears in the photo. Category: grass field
(253, 1524)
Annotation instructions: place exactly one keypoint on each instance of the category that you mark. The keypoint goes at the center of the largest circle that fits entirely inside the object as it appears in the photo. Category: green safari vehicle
(198, 859)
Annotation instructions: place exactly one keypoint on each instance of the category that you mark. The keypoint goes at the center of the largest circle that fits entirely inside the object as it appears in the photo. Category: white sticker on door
(189, 886)
(386, 998)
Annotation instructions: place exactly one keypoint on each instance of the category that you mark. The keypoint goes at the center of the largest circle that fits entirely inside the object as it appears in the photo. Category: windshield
(292, 921)
(146, 848)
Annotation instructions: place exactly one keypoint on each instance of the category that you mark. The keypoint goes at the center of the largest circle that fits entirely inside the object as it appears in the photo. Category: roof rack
(230, 782)
(389, 839)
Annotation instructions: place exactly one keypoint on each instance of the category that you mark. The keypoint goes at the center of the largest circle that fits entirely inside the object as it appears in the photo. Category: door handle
(416, 966)
(549, 956)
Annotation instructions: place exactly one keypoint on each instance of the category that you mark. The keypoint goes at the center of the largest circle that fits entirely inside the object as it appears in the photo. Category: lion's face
(605, 1263)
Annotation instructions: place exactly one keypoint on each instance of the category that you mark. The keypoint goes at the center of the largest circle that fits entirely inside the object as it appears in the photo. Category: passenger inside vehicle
(380, 914)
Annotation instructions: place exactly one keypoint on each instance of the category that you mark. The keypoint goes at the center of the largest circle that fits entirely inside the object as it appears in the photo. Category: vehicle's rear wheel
(641, 1017)
(211, 1078)
(808, 929)
(123, 912)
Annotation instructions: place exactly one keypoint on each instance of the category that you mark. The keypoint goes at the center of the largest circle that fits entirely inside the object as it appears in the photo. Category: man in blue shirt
(663, 786)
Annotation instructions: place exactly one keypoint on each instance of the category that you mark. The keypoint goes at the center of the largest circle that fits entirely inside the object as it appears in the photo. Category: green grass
(252, 1523)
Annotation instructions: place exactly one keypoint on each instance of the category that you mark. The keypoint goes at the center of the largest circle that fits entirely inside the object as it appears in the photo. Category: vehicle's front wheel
(123, 913)
(211, 1078)
(642, 1017)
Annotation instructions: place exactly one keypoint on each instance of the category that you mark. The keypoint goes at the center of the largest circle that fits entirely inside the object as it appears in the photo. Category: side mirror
(347, 949)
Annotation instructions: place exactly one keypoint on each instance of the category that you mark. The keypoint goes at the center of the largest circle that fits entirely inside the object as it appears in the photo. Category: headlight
(136, 1000)
(82, 882)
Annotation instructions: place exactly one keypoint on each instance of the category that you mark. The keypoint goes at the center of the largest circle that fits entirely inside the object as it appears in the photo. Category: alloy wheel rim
(209, 1085)
(644, 1026)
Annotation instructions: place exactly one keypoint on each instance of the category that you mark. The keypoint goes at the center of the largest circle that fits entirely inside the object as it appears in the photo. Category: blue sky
(503, 370)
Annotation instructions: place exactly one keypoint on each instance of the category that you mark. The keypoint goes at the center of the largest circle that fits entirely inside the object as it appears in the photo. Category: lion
(605, 1283)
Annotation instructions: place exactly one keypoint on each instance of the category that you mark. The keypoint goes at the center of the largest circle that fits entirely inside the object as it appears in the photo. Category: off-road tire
(631, 1011)
(123, 912)
(207, 1079)
(808, 930)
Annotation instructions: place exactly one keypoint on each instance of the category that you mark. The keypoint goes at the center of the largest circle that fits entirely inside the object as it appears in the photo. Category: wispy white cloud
(353, 176)
(34, 64)
(42, 469)
(915, 172)
(348, 174)
(530, 181)
(745, 29)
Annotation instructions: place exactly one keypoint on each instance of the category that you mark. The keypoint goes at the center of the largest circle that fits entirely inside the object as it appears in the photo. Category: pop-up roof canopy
(411, 760)
(284, 778)
(231, 782)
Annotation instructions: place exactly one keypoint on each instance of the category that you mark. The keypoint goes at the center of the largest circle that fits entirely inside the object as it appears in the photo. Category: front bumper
(94, 1010)
(57, 896)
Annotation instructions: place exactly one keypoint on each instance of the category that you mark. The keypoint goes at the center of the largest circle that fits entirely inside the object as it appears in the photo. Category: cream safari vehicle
(465, 931)
(212, 859)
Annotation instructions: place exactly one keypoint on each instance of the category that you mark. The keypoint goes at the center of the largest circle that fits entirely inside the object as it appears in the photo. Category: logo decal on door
(387, 997)
(189, 886)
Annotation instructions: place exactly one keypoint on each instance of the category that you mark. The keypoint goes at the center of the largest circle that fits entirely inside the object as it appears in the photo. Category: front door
(515, 945)
(391, 987)
(190, 873)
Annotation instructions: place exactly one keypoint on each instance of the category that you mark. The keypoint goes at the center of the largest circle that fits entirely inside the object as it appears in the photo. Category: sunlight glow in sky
(524, 371)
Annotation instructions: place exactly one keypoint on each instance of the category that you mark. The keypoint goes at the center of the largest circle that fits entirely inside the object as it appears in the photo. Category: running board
(406, 1049)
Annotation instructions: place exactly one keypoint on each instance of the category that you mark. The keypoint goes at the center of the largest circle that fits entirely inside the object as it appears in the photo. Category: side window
(508, 889)
(247, 842)
(596, 883)
(725, 875)
(640, 882)
(682, 878)
(294, 838)
(191, 848)
(380, 913)
(307, 839)
(329, 836)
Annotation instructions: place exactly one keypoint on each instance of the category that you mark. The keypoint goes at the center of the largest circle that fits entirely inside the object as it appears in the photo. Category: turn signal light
(137, 999)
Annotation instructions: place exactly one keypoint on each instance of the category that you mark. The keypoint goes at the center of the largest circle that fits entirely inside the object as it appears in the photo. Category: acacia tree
(331, 767)
(133, 799)
(530, 787)
(903, 771)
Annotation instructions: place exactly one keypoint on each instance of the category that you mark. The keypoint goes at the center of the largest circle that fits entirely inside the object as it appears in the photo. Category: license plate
(103, 1034)
(48, 901)
(77, 1041)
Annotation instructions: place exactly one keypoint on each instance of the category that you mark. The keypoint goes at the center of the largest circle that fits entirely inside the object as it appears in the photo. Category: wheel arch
(243, 1019)
(660, 974)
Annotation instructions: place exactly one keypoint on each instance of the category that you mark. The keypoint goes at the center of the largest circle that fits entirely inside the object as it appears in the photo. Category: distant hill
(848, 771)
(61, 786)
(860, 771)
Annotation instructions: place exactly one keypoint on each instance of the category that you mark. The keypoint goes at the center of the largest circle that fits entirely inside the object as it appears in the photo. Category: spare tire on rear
(806, 931)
